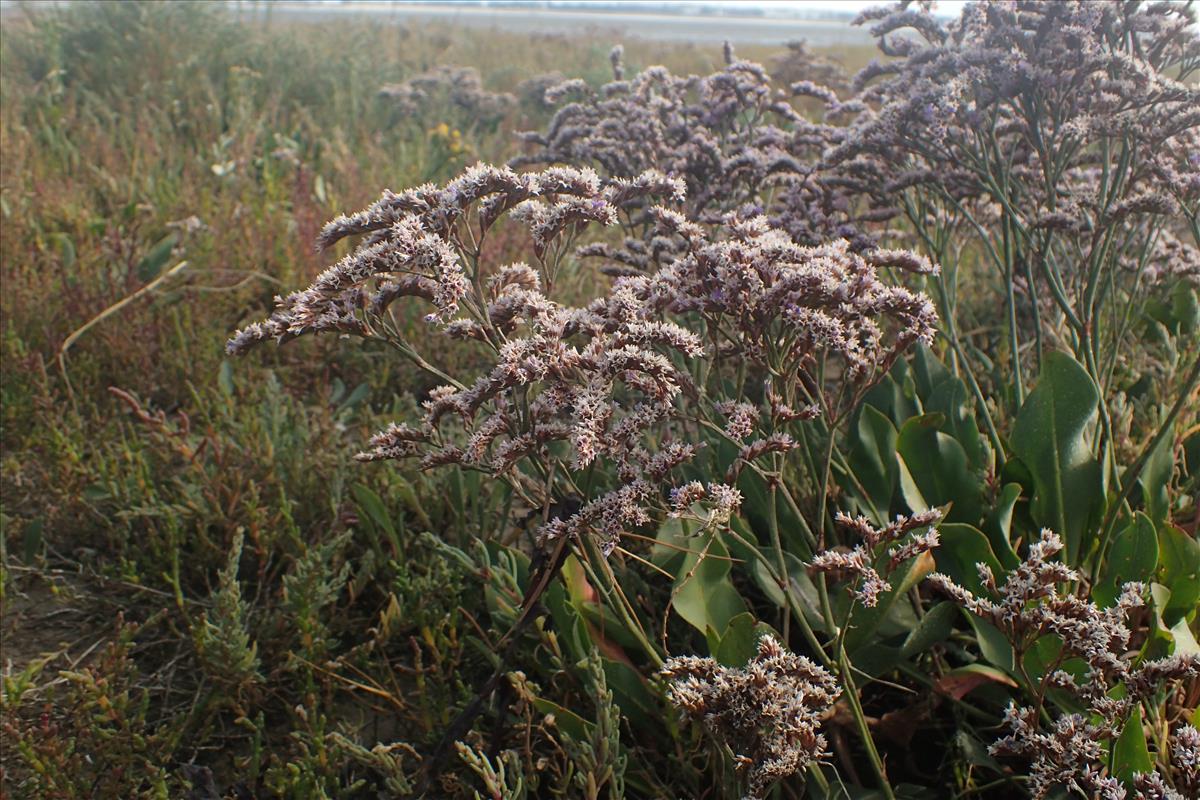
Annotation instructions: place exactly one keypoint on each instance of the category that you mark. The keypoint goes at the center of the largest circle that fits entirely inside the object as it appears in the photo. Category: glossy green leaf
(703, 594)
(936, 626)
(569, 625)
(801, 584)
(1130, 754)
(928, 372)
(32, 539)
(225, 378)
(873, 460)
(372, 505)
(992, 644)
(895, 395)
(1185, 307)
(952, 399)
(1185, 640)
(1052, 436)
(1179, 571)
(565, 720)
(66, 249)
(1155, 480)
(939, 467)
(864, 622)
(631, 695)
(962, 548)
(909, 491)
(998, 525)
(737, 643)
(1133, 556)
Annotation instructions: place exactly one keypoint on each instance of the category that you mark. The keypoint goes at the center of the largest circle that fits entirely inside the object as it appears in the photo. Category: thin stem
(860, 721)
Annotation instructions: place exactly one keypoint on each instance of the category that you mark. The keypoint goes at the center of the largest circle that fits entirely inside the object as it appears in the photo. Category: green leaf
(153, 262)
(873, 461)
(1179, 571)
(408, 495)
(737, 643)
(1185, 640)
(1132, 557)
(631, 695)
(676, 539)
(976, 752)
(565, 720)
(1155, 480)
(998, 525)
(372, 505)
(992, 644)
(32, 539)
(1185, 307)
(1052, 435)
(939, 467)
(962, 548)
(952, 399)
(703, 594)
(801, 584)
(895, 395)
(66, 249)
(360, 393)
(928, 372)
(1130, 754)
(225, 377)
(936, 626)
(568, 622)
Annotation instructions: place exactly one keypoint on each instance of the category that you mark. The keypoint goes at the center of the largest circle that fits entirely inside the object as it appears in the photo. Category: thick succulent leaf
(1179, 571)
(1130, 754)
(1133, 556)
(962, 548)
(1053, 437)
(703, 594)
(939, 467)
(872, 457)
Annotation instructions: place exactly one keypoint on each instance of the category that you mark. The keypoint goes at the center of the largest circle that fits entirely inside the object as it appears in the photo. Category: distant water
(664, 27)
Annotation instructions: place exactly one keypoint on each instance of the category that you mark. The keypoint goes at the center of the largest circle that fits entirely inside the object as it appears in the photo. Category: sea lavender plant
(1061, 137)
(769, 712)
(460, 88)
(1068, 749)
(859, 564)
(605, 404)
(597, 378)
(733, 137)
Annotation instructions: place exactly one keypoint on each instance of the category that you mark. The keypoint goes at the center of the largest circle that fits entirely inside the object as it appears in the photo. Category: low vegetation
(828, 428)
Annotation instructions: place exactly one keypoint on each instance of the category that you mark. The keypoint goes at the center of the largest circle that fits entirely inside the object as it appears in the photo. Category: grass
(200, 592)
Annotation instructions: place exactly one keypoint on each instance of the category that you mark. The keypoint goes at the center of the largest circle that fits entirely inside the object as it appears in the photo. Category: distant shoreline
(699, 28)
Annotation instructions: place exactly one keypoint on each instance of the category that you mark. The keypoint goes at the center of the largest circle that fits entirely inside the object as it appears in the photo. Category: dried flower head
(858, 565)
(769, 711)
(1032, 603)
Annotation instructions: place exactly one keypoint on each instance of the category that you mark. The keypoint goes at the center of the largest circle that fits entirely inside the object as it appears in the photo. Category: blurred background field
(201, 593)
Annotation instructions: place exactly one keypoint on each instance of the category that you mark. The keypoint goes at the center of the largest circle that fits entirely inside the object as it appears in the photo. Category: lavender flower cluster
(733, 137)
(768, 711)
(1068, 118)
(458, 87)
(608, 380)
(1029, 605)
(859, 564)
